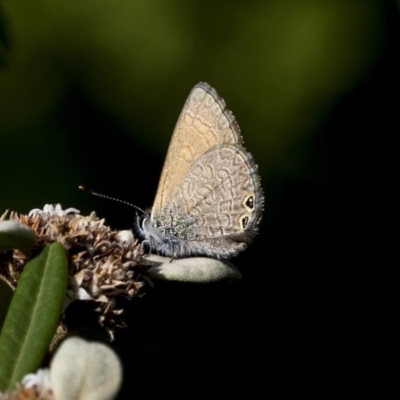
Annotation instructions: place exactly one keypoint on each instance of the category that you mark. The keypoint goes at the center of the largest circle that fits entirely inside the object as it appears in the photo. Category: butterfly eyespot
(244, 221)
(249, 202)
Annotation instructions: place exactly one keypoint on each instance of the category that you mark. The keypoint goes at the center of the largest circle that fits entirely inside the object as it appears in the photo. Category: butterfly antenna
(84, 188)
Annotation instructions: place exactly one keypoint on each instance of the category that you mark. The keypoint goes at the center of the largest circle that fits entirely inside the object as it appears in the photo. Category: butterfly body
(209, 200)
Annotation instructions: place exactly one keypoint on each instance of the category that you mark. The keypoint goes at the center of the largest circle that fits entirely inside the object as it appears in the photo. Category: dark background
(89, 94)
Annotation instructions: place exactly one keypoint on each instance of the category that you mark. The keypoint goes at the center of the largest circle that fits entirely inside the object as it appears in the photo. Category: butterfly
(209, 200)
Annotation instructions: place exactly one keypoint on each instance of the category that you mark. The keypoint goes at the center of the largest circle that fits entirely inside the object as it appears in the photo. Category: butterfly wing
(219, 197)
(204, 122)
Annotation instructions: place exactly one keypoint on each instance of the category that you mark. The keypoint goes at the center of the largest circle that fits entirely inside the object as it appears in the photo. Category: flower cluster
(103, 264)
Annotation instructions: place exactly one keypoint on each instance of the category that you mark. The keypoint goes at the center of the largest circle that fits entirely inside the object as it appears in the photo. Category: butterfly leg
(173, 250)
(146, 243)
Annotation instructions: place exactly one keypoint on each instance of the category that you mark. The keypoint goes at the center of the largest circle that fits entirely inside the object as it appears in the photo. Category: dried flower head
(104, 264)
(35, 386)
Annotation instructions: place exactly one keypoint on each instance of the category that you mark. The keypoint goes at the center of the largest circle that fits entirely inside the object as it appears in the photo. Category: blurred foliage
(86, 79)
(4, 39)
(91, 91)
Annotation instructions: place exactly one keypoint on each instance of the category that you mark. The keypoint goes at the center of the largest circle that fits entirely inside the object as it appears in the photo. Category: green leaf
(33, 315)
